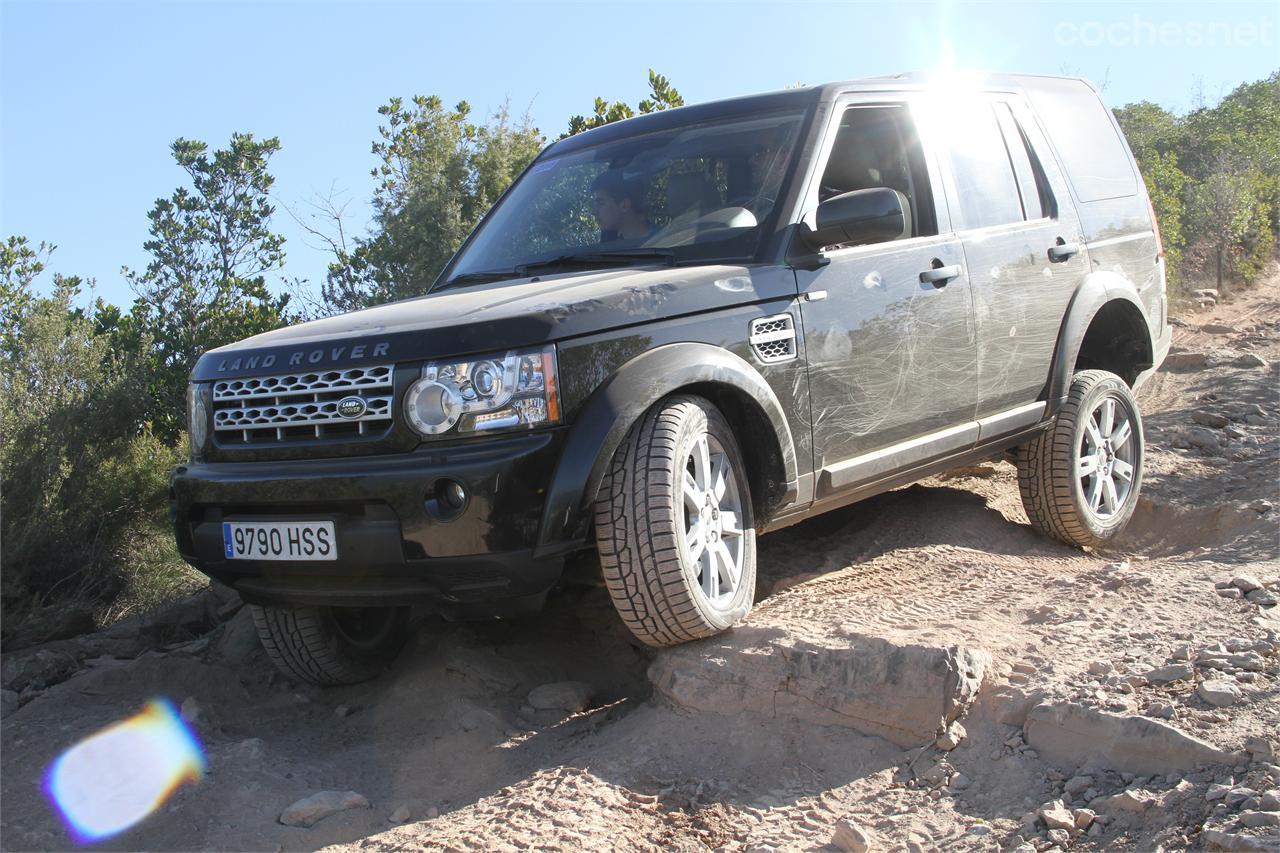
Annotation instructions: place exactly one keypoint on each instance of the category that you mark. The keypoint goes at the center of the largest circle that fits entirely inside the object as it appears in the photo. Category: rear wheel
(674, 525)
(332, 645)
(1080, 479)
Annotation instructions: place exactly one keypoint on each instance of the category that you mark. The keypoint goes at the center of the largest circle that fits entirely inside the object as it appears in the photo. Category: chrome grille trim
(304, 382)
(302, 405)
(297, 413)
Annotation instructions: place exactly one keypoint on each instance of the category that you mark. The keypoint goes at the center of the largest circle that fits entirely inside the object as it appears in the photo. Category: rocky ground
(921, 671)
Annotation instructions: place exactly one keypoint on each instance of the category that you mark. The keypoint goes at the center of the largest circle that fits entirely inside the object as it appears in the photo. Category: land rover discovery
(680, 331)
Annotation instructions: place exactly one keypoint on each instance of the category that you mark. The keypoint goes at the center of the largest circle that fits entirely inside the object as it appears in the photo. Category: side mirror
(873, 215)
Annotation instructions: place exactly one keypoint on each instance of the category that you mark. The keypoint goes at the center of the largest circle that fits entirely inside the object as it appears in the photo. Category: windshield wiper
(574, 259)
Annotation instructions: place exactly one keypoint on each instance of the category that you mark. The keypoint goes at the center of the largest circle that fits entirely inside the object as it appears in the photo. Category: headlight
(197, 418)
(514, 391)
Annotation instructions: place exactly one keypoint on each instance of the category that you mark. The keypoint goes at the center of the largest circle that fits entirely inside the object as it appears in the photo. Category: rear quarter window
(1086, 141)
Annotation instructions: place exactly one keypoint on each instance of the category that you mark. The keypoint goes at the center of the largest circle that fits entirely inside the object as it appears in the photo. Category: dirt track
(951, 562)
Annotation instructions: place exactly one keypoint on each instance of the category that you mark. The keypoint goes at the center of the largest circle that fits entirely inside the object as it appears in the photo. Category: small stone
(951, 738)
(1251, 359)
(400, 815)
(1246, 583)
(344, 711)
(1218, 693)
(1202, 438)
(979, 829)
(1096, 829)
(959, 782)
(1059, 837)
(1170, 674)
(572, 696)
(1262, 598)
(1078, 784)
(1209, 419)
(1057, 816)
(190, 710)
(1084, 818)
(1024, 668)
(1255, 819)
(1129, 801)
(852, 838)
(1230, 592)
(1262, 507)
(1218, 839)
(1270, 801)
(315, 808)
(1216, 792)
(1182, 652)
(1237, 796)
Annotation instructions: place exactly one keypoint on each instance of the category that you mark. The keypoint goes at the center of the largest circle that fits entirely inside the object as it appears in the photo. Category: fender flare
(1094, 293)
(609, 413)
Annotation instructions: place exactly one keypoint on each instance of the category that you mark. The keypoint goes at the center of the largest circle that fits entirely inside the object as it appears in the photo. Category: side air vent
(773, 338)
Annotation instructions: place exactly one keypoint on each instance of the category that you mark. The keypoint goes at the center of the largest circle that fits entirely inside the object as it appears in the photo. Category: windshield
(699, 192)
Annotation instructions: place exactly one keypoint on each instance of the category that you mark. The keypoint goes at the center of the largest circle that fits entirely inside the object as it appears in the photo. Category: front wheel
(674, 525)
(1080, 478)
(331, 645)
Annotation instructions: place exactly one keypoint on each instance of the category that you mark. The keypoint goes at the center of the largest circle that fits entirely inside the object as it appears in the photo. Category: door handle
(940, 275)
(1062, 251)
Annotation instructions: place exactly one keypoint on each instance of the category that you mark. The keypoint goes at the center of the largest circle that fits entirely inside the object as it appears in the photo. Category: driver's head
(616, 203)
(764, 155)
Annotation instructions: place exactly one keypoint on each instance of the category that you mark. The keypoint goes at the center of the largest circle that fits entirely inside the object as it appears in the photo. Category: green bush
(84, 497)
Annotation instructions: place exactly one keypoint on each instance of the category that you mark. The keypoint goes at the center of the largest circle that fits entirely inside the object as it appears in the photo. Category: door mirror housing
(874, 215)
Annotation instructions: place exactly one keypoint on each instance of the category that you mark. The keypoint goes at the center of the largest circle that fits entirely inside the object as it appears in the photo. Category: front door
(889, 333)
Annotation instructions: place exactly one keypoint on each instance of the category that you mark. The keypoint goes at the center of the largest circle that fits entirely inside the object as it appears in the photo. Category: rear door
(889, 355)
(1023, 248)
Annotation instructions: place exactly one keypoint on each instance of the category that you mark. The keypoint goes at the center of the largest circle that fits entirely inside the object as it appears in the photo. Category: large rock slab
(903, 692)
(1072, 735)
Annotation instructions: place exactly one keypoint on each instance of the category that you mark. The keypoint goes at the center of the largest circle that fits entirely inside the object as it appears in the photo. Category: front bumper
(393, 545)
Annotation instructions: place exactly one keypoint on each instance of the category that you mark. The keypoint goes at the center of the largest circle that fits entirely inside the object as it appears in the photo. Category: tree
(1224, 212)
(1214, 179)
(439, 173)
(211, 248)
(662, 96)
(19, 266)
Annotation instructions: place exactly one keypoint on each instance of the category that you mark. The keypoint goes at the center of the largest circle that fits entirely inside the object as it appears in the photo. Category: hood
(495, 317)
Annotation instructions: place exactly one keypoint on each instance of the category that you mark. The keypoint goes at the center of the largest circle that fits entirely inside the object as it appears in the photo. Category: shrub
(84, 500)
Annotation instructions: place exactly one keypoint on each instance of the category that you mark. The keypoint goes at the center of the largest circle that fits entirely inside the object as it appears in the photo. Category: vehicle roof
(800, 97)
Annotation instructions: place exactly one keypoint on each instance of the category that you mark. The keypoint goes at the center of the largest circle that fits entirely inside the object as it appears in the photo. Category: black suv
(680, 331)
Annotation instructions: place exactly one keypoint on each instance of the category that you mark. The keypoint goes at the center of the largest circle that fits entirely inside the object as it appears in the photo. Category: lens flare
(111, 780)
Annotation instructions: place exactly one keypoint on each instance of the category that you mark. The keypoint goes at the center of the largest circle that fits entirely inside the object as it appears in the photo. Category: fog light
(454, 496)
(446, 500)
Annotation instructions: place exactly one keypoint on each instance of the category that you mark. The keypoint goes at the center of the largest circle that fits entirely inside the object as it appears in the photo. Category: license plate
(279, 540)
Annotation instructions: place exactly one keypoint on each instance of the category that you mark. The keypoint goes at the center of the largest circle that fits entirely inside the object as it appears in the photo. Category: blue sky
(93, 93)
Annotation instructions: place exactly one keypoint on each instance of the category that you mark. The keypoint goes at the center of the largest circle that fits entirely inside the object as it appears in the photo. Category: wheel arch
(730, 382)
(1105, 328)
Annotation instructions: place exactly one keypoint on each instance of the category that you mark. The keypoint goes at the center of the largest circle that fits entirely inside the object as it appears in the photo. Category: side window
(878, 146)
(1084, 135)
(985, 182)
(1033, 188)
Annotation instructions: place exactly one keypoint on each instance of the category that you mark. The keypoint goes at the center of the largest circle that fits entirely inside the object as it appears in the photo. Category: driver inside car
(618, 206)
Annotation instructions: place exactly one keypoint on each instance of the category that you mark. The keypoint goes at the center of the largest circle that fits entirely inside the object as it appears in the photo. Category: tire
(1061, 498)
(331, 645)
(648, 529)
